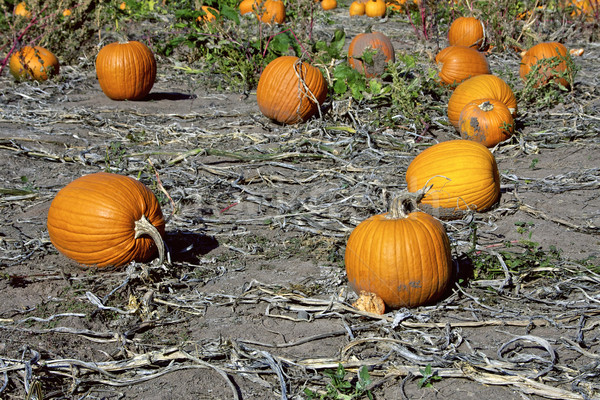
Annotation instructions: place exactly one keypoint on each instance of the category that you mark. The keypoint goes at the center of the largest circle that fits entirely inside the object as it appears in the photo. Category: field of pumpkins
(307, 199)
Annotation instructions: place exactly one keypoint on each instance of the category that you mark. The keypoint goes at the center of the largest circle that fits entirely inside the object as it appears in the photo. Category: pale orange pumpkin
(549, 62)
(371, 41)
(480, 87)
(487, 121)
(357, 8)
(105, 219)
(402, 257)
(37, 63)
(457, 63)
(290, 91)
(467, 31)
(126, 71)
(463, 175)
(375, 8)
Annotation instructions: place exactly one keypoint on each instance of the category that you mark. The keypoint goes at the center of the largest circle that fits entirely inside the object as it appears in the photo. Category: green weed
(340, 388)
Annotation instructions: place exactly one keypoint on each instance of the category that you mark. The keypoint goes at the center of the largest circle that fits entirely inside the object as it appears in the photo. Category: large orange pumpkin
(467, 31)
(457, 63)
(126, 71)
(402, 256)
(548, 60)
(383, 50)
(480, 87)
(105, 219)
(487, 121)
(35, 63)
(463, 175)
(290, 91)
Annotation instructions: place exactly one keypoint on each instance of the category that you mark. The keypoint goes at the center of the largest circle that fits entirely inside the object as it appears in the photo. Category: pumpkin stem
(144, 227)
(406, 203)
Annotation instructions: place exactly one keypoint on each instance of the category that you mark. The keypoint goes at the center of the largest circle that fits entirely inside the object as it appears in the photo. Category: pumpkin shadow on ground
(173, 96)
(186, 246)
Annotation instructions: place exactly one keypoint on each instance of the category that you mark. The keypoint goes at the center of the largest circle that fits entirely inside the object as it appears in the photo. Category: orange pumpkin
(248, 6)
(210, 14)
(547, 62)
(106, 219)
(588, 8)
(463, 174)
(357, 8)
(375, 8)
(21, 10)
(467, 31)
(480, 87)
(328, 4)
(35, 63)
(290, 91)
(457, 63)
(371, 41)
(126, 71)
(402, 256)
(487, 121)
(272, 12)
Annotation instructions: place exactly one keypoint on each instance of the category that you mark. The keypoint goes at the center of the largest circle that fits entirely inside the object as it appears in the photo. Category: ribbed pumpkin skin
(281, 95)
(376, 41)
(486, 121)
(91, 220)
(482, 86)
(467, 31)
(464, 175)
(545, 73)
(126, 71)
(457, 63)
(35, 63)
(407, 262)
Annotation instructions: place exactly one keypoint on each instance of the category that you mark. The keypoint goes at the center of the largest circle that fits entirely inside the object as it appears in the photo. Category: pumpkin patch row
(402, 256)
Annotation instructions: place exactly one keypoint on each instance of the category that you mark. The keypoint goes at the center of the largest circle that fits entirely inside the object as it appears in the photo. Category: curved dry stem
(406, 203)
(144, 227)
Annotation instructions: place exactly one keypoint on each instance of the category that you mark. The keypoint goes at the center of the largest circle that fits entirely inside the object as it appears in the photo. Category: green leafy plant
(429, 376)
(340, 388)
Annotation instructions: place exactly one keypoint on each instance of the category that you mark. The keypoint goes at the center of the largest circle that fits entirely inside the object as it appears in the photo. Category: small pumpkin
(37, 63)
(357, 8)
(374, 41)
(375, 8)
(457, 63)
(248, 6)
(328, 4)
(548, 62)
(588, 8)
(126, 71)
(210, 14)
(487, 121)
(105, 219)
(467, 31)
(272, 12)
(460, 174)
(290, 91)
(480, 87)
(402, 256)
(21, 10)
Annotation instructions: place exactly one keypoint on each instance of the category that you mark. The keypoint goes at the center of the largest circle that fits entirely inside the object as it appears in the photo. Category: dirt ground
(254, 303)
